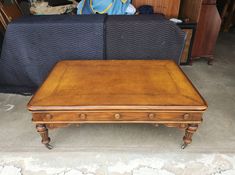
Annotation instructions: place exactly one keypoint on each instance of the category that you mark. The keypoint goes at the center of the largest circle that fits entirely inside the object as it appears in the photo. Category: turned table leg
(190, 130)
(210, 60)
(43, 131)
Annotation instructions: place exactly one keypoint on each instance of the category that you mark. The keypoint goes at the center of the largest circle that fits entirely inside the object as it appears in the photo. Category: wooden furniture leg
(43, 131)
(190, 130)
(210, 60)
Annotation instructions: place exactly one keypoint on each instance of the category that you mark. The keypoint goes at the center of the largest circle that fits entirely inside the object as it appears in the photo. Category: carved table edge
(113, 122)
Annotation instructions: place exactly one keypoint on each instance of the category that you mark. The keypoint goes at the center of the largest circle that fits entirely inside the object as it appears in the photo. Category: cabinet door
(207, 31)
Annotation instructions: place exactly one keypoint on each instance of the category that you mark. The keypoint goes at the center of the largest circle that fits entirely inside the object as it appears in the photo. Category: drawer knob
(117, 116)
(186, 116)
(151, 116)
(83, 116)
(48, 117)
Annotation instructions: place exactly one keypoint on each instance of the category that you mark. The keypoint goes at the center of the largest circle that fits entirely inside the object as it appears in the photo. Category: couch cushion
(143, 37)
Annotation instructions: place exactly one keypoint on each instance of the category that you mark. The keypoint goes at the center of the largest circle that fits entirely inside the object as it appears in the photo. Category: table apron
(117, 117)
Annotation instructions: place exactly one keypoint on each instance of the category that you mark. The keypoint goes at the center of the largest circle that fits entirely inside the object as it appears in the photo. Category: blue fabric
(146, 9)
(32, 46)
(110, 7)
(143, 37)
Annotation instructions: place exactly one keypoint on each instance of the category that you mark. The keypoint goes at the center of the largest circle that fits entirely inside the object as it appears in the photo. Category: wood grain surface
(132, 85)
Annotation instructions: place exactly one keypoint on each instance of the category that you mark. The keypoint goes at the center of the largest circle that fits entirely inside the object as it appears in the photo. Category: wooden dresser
(205, 13)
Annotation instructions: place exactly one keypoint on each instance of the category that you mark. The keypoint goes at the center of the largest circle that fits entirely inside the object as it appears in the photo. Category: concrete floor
(124, 149)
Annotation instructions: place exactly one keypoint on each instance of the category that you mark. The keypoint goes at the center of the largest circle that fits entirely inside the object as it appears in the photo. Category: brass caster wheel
(184, 146)
(48, 146)
(156, 124)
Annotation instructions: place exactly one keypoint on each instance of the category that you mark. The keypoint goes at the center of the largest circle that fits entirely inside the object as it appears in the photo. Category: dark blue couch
(33, 44)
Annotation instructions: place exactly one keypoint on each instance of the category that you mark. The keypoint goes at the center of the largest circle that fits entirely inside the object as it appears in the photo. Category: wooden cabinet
(202, 12)
(205, 13)
(207, 32)
(9, 12)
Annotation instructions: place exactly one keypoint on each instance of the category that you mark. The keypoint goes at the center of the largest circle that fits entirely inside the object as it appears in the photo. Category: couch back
(143, 37)
(39, 42)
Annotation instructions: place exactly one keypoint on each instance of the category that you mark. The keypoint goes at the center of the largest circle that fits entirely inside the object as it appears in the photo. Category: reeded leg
(43, 131)
(190, 130)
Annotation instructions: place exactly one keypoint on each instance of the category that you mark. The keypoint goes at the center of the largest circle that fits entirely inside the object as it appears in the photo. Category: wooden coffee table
(155, 92)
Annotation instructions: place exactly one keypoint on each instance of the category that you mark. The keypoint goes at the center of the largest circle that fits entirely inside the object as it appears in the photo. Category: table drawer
(116, 116)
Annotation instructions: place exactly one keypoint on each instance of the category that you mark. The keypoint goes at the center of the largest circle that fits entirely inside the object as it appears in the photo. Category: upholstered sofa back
(34, 44)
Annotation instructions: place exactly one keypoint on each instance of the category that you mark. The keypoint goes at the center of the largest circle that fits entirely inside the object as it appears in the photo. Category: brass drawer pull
(186, 116)
(117, 116)
(48, 117)
(83, 116)
(151, 116)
